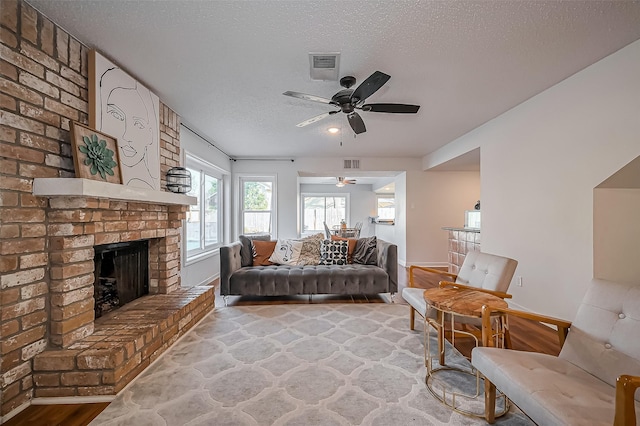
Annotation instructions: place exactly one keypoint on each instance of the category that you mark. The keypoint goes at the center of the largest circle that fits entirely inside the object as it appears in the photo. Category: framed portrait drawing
(122, 107)
(95, 155)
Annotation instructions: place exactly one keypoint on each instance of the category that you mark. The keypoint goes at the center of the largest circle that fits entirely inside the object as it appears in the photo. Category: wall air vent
(351, 164)
(324, 66)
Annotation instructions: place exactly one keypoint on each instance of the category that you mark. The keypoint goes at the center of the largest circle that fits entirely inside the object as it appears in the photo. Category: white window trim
(239, 179)
(347, 209)
(193, 161)
(378, 196)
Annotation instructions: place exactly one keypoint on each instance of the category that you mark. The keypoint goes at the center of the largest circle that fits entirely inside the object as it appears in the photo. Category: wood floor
(525, 335)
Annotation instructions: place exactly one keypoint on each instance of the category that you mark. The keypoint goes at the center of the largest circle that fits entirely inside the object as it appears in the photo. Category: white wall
(436, 200)
(616, 225)
(540, 163)
(205, 269)
(616, 234)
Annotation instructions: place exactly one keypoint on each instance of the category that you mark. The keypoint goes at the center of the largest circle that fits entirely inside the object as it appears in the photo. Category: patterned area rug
(330, 364)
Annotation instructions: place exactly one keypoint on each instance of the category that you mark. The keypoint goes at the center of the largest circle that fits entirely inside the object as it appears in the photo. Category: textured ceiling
(223, 65)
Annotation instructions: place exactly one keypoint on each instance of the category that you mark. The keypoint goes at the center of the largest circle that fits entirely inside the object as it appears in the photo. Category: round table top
(461, 301)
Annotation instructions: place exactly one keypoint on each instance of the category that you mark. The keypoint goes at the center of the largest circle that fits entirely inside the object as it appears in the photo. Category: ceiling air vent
(351, 164)
(324, 66)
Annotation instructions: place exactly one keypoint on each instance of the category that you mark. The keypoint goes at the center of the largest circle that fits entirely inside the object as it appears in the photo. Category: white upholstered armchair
(595, 377)
(481, 271)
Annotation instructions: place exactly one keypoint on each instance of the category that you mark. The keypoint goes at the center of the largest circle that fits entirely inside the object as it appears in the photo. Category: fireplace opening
(121, 274)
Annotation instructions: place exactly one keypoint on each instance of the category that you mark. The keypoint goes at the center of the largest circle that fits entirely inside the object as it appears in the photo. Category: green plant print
(99, 157)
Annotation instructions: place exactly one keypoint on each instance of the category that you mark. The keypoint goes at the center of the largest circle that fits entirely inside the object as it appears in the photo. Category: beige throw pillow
(287, 252)
(310, 252)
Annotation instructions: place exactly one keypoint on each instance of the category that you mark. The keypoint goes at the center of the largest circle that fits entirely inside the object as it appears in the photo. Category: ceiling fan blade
(356, 123)
(308, 97)
(392, 108)
(371, 85)
(316, 118)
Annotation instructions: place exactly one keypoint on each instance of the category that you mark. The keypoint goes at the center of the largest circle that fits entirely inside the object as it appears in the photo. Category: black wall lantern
(179, 180)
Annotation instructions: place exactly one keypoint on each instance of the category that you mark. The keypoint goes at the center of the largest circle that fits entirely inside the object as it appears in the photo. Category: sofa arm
(230, 261)
(388, 260)
(626, 387)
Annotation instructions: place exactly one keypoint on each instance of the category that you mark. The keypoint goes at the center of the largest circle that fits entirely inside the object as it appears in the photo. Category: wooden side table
(453, 304)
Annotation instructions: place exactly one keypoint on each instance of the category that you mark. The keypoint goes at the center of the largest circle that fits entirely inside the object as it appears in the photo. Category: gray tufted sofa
(284, 280)
(592, 381)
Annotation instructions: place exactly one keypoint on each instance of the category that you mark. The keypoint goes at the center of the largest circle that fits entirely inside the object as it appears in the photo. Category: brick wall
(45, 256)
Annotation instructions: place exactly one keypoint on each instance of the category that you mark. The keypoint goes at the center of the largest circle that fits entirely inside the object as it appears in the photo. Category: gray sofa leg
(393, 297)
(226, 300)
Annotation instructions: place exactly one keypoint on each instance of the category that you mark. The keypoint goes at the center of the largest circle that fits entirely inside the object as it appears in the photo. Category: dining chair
(356, 229)
(327, 231)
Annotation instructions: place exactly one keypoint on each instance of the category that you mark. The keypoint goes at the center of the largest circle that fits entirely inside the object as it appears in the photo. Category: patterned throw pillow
(352, 246)
(310, 252)
(287, 252)
(334, 252)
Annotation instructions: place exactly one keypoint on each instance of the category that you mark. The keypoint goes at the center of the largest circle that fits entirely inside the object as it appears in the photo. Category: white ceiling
(223, 65)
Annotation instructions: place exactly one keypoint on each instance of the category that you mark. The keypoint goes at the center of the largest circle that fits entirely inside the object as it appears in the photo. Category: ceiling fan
(342, 181)
(348, 101)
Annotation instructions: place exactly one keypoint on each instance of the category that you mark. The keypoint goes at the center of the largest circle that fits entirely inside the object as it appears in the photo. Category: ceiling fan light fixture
(340, 184)
(333, 130)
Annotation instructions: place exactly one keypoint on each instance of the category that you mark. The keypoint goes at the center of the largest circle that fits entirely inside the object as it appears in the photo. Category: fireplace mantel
(76, 187)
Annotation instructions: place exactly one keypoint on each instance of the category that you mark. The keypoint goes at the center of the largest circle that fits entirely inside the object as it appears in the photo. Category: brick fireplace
(76, 225)
(89, 357)
(50, 343)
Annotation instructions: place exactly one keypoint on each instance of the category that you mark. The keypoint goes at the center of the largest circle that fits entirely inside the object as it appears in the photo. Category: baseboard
(93, 399)
(11, 414)
(208, 280)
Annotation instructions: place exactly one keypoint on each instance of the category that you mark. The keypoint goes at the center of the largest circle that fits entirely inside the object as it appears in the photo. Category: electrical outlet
(519, 281)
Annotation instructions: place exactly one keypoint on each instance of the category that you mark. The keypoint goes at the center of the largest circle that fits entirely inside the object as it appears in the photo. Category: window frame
(205, 168)
(378, 197)
(347, 207)
(241, 178)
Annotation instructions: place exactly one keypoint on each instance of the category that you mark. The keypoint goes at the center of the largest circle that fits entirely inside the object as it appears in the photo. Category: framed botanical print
(95, 155)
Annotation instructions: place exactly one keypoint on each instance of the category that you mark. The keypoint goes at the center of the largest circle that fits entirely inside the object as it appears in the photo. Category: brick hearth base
(122, 345)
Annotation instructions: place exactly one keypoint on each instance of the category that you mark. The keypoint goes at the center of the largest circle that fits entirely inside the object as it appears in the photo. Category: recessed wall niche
(616, 225)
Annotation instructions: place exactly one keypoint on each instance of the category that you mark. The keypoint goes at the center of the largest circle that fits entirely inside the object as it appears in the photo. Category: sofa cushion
(282, 280)
(286, 252)
(366, 252)
(263, 251)
(246, 252)
(548, 389)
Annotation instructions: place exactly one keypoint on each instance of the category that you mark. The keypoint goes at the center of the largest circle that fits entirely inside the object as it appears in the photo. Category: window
(204, 220)
(386, 207)
(257, 203)
(320, 208)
